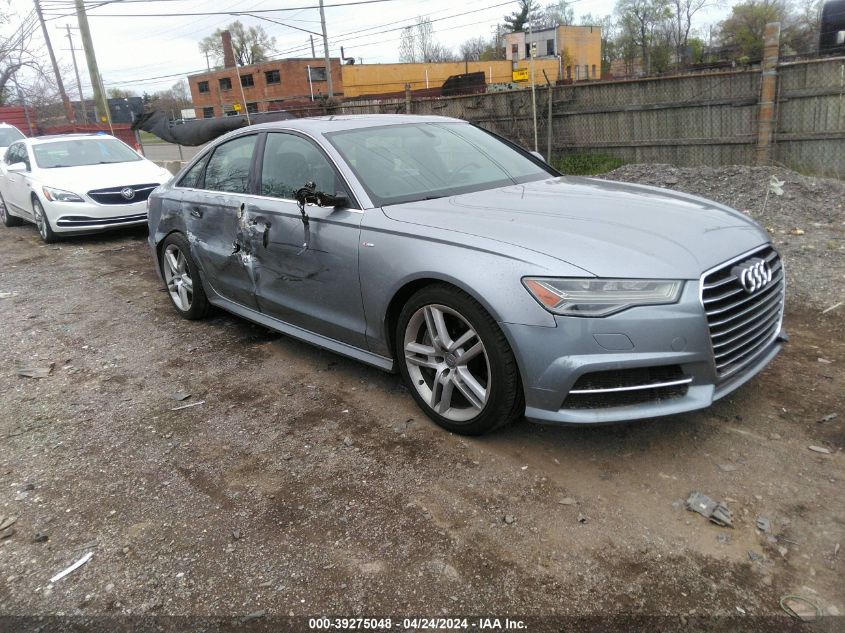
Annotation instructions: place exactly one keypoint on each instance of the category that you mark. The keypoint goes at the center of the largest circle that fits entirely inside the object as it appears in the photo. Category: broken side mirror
(339, 199)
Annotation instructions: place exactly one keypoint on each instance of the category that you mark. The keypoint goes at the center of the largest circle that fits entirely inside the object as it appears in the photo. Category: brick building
(266, 85)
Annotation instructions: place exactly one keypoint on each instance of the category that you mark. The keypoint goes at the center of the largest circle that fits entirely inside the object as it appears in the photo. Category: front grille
(113, 195)
(625, 387)
(742, 323)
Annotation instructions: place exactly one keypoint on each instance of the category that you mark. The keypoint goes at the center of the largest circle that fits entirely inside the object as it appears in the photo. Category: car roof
(339, 122)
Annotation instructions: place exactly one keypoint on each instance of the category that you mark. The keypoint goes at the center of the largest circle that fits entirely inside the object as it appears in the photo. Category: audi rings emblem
(753, 274)
(127, 192)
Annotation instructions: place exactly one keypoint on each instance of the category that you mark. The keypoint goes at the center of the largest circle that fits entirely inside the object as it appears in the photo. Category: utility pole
(93, 71)
(325, 50)
(313, 52)
(76, 72)
(61, 86)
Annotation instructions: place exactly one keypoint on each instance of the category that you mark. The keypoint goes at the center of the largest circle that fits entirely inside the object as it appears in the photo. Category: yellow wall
(363, 79)
(581, 45)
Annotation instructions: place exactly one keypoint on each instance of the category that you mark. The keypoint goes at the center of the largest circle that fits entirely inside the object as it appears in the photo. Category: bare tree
(683, 12)
(639, 19)
(417, 44)
(251, 44)
(474, 49)
(17, 51)
(560, 12)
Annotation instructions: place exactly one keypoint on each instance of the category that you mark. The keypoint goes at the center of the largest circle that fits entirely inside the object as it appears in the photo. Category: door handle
(196, 212)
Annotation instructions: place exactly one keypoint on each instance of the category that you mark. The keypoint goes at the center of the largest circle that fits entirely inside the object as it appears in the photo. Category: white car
(76, 183)
(8, 135)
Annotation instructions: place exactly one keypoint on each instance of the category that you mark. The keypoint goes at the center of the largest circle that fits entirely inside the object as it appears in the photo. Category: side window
(289, 162)
(228, 167)
(193, 178)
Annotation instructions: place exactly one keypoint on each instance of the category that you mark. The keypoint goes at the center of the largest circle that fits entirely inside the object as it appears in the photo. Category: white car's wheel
(8, 218)
(42, 222)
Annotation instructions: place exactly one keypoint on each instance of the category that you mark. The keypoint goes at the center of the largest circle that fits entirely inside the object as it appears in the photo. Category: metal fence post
(768, 92)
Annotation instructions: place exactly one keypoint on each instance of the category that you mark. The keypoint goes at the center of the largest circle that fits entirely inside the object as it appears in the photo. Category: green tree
(518, 20)
(743, 29)
(560, 12)
(251, 44)
(640, 21)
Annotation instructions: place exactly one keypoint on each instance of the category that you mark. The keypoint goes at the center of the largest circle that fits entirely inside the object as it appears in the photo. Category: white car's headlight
(60, 195)
(600, 297)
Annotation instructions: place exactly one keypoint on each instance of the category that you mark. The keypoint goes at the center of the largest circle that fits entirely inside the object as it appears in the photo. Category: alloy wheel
(177, 275)
(39, 220)
(447, 362)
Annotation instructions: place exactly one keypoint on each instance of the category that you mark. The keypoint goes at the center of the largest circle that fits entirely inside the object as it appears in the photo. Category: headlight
(600, 297)
(59, 195)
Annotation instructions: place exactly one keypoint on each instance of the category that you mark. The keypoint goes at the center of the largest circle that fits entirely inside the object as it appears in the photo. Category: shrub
(587, 164)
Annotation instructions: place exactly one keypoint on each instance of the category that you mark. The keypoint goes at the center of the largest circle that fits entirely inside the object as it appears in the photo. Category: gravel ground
(806, 220)
(304, 483)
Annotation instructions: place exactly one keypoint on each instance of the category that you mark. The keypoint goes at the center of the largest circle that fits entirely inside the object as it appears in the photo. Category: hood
(88, 177)
(609, 229)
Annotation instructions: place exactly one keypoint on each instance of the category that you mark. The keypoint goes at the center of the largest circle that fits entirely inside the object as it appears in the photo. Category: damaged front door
(314, 287)
(218, 222)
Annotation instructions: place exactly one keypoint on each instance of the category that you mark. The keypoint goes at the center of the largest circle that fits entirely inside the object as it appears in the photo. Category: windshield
(9, 135)
(78, 152)
(420, 161)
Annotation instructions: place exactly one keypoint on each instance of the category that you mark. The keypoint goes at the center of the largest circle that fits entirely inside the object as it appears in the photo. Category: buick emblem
(753, 274)
(127, 192)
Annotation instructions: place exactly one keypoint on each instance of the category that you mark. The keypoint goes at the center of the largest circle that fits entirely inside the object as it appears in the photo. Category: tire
(182, 278)
(8, 219)
(42, 223)
(466, 389)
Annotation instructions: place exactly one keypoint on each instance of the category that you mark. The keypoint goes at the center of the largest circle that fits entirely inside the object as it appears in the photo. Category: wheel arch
(411, 286)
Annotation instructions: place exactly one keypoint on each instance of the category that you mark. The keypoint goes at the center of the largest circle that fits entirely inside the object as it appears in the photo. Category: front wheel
(43, 222)
(457, 363)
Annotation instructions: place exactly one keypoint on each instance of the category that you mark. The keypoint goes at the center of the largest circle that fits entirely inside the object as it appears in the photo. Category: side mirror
(16, 167)
(539, 155)
(339, 199)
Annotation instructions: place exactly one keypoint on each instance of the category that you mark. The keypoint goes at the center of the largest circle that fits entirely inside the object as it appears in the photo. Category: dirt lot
(308, 484)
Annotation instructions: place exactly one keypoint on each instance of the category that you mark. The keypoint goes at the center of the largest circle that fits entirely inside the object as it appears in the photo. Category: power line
(191, 14)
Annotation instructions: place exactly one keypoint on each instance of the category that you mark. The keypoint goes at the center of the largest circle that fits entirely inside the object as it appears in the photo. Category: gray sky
(152, 53)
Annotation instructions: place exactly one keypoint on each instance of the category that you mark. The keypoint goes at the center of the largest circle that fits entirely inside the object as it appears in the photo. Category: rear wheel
(457, 363)
(181, 275)
(42, 222)
(8, 218)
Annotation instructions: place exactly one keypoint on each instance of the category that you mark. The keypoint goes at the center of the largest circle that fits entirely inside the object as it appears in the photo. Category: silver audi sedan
(494, 285)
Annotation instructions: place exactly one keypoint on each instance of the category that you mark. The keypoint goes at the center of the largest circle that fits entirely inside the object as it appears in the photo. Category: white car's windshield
(420, 161)
(9, 135)
(79, 152)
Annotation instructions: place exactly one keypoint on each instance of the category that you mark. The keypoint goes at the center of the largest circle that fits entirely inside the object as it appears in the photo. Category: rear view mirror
(16, 167)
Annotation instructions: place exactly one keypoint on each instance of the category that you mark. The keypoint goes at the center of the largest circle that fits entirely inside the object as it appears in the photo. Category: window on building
(594, 72)
(273, 106)
(252, 107)
(226, 83)
(202, 86)
(577, 73)
(514, 51)
(272, 77)
(208, 113)
(527, 50)
(586, 71)
(318, 73)
(247, 81)
(569, 72)
(550, 47)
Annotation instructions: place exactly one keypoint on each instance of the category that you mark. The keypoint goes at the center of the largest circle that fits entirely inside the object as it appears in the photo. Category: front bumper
(86, 217)
(553, 359)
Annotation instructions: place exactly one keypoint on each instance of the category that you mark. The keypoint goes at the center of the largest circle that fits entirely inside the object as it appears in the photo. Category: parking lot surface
(304, 483)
